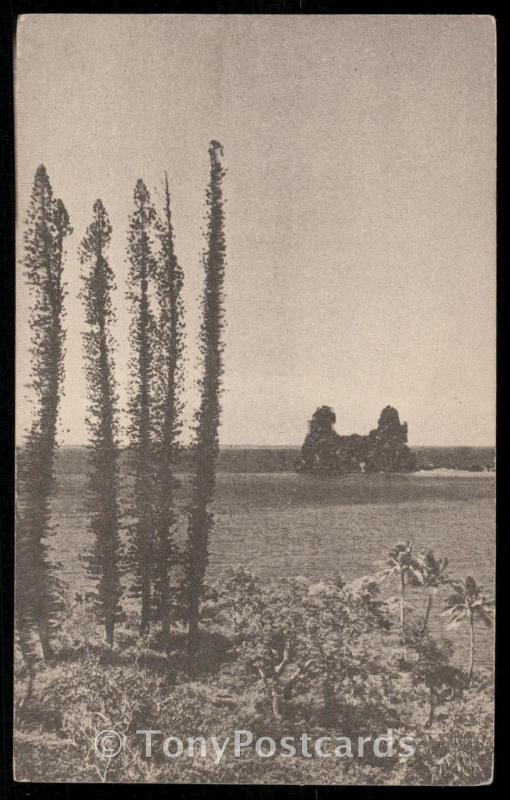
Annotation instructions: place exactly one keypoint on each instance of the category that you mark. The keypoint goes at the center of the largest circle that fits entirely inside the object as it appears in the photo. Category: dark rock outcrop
(384, 449)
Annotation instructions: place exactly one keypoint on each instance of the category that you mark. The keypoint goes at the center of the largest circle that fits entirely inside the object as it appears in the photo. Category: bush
(278, 660)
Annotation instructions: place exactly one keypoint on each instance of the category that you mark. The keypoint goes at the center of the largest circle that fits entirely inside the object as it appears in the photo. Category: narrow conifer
(37, 586)
(141, 403)
(208, 416)
(170, 332)
(98, 284)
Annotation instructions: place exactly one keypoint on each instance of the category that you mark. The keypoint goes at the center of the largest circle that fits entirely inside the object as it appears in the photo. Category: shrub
(277, 660)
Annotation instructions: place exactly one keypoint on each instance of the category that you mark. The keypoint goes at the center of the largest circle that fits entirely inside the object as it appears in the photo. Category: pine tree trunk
(193, 632)
(145, 616)
(165, 632)
(46, 644)
(109, 629)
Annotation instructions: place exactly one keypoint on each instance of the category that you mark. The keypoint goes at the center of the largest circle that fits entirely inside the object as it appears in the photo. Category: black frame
(9, 12)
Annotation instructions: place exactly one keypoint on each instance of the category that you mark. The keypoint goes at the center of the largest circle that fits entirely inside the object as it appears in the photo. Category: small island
(384, 449)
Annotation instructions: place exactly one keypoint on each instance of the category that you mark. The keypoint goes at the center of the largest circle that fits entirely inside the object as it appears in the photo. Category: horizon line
(276, 446)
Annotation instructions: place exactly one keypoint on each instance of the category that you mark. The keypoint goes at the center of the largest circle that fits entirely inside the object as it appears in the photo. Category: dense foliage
(37, 591)
(276, 660)
(384, 449)
(206, 446)
(169, 380)
(142, 271)
(99, 283)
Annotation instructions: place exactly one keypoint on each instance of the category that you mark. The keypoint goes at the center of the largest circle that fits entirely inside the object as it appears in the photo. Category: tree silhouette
(468, 603)
(321, 448)
(208, 415)
(37, 588)
(98, 280)
(170, 332)
(408, 568)
(387, 444)
(384, 450)
(142, 269)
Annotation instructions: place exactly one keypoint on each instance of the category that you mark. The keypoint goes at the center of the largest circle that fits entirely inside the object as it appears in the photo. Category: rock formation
(384, 449)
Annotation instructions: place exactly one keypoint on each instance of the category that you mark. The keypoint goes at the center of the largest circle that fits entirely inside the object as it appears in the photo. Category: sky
(360, 216)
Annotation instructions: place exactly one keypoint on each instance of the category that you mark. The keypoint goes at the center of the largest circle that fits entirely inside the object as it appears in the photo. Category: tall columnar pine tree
(170, 333)
(142, 271)
(208, 415)
(37, 592)
(98, 284)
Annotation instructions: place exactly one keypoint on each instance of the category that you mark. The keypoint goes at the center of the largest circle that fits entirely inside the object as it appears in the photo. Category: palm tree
(468, 602)
(434, 575)
(408, 568)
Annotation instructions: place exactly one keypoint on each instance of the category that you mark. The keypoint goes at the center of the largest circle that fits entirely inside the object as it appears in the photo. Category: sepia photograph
(255, 399)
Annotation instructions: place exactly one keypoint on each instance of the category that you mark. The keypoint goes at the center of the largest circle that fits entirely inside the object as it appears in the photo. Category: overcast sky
(361, 203)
